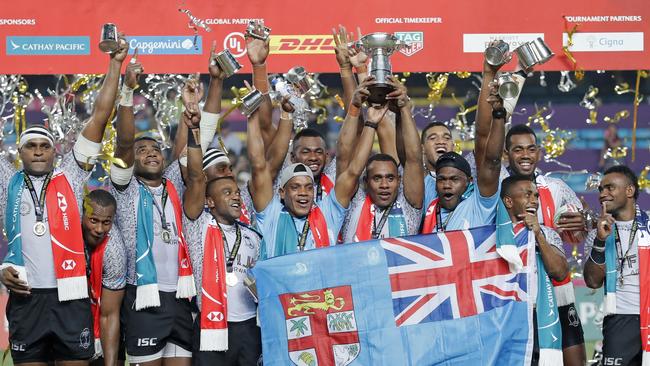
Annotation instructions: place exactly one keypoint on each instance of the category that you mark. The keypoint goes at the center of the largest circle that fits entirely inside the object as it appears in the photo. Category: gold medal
(39, 228)
(231, 279)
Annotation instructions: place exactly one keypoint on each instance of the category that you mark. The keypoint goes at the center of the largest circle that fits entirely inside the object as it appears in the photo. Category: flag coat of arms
(436, 299)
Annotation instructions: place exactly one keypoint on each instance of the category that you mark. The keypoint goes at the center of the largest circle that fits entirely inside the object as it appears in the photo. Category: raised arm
(258, 51)
(93, 131)
(489, 168)
(261, 183)
(193, 197)
(341, 40)
(348, 132)
(110, 324)
(413, 178)
(276, 153)
(346, 182)
(386, 132)
(484, 109)
(212, 107)
(555, 264)
(125, 125)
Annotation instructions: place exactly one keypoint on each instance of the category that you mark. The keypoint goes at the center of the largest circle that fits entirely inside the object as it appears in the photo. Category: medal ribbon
(39, 202)
(235, 249)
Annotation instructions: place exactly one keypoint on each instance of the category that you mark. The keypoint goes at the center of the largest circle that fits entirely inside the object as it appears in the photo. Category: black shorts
(244, 346)
(42, 329)
(622, 340)
(572, 333)
(147, 331)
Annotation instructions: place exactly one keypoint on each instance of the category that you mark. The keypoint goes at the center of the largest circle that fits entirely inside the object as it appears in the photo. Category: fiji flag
(437, 299)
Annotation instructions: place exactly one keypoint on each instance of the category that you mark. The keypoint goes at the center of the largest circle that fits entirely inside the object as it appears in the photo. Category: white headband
(35, 133)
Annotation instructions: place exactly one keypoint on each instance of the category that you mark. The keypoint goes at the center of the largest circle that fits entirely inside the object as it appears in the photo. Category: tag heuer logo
(414, 39)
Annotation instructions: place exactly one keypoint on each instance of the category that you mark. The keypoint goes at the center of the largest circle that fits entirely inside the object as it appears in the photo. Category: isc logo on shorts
(18, 347)
(612, 361)
(146, 342)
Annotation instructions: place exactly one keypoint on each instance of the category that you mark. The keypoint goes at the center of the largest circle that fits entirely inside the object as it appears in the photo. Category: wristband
(192, 137)
(362, 69)
(346, 72)
(597, 257)
(499, 113)
(126, 96)
(260, 80)
(353, 110)
(285, 115)
(371, 124)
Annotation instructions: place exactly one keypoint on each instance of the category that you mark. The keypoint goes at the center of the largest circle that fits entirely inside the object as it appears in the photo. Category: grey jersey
(165, 254)
(241, 305)
(37, 250)
(114, 262)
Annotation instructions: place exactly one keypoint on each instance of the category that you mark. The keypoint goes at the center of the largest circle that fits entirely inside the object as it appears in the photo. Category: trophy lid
(387, 41)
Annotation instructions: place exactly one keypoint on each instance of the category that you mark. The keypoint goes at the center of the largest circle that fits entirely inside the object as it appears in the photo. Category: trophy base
(378, 93)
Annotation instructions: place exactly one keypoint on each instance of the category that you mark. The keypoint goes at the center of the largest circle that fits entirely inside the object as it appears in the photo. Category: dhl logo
(302, 44)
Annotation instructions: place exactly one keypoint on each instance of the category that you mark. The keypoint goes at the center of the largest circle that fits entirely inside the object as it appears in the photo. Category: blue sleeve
(267, 220)
(484, 207)
(430, 192)
(334, 214)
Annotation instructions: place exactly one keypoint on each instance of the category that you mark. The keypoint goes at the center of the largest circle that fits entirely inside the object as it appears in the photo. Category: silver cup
(227, 63)
(302, 81)
(380, 46)
(250, 102)
(542, 50)
(533, 53)
(250, 31)
(109, 41)
(495, 55)
(508, 87)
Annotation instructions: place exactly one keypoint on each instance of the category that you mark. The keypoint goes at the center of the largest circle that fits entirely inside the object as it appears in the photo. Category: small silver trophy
(251, 31)
(380, 46)
(508, 87)
(227, 63)
(302, 81)
(250, 102)
(109, 41)
(495, 54)
(533, 53)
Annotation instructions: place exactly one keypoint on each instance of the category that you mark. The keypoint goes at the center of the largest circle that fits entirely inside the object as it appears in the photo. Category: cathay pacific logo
(47, 45)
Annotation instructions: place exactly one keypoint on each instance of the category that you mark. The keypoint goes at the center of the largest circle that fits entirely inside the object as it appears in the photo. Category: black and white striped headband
(36, 132)
(213, 157)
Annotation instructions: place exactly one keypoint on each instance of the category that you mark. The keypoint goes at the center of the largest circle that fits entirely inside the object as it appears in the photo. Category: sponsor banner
(41, 40)
(605, 42)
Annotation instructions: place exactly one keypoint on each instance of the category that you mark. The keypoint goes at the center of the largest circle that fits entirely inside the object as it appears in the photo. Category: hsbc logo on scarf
(215, 316)
(63, 206)
(68, 264)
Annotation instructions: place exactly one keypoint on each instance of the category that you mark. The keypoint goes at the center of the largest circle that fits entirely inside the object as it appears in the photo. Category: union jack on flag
(451, 275)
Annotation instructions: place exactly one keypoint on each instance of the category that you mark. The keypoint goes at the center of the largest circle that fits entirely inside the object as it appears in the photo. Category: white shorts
(170, 350)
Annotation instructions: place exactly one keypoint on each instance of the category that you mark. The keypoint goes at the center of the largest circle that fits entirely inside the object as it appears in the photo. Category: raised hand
(286, 104)
(213, 67)
(494, 99)
(133, 71)
(357, 58)
(341, 40)
(531, 222)
(376, 113)
(398, 98)
(605, 224)
(257, 49)
(122, 50)
(191, 94)
(362, 93)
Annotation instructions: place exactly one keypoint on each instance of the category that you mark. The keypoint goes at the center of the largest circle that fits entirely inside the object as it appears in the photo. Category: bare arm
(594, 271)
(258, 51)
(180, 140)
(125, 125)
(276, 153)
(489, 168)
(348, 133)
(386, 134)
(341, 40)
(346, 183)
(110, 324)
(261, 184)
(556, 265)
(413, 179)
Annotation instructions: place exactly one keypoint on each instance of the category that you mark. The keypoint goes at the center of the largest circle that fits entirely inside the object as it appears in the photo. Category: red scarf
(185, 287)
(96, 273)
(245, 216)
(67, 241)
(430, 218)
(214, 299)
(326, 183)
(564, 293)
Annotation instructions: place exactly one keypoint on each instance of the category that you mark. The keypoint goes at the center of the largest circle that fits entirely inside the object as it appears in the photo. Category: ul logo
(236, 43)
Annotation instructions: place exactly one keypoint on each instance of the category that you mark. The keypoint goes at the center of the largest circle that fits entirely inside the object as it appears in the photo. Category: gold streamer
(616, 152)
(622, 88)
(437, 83)
(624, 114)
(644, 182)
(239, 93)
(579, 72)
(463, 74)
(593, 117)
